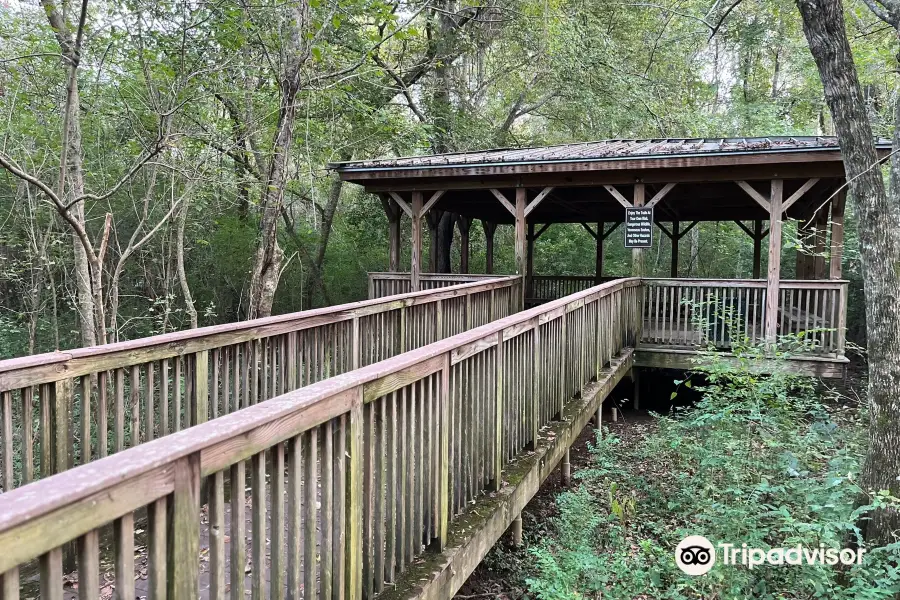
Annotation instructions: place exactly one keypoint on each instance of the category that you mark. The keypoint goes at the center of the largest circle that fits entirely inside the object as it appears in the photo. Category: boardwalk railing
(390, 284)
(543, 288)
(63, 409)
(351, 479)
(684, 313)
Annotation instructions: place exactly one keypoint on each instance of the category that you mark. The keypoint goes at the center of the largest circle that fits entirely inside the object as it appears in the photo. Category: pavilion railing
(686, 313)
(367, 469)
(62, 409)
(543, 288)
(392, 283)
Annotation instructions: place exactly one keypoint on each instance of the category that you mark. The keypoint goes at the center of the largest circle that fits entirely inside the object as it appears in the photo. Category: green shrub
(759, 459)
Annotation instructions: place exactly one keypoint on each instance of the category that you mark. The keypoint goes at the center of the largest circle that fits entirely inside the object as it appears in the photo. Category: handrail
(146, 388)
(685, 313)
(432, 428)
(758, 283)
(394, 282)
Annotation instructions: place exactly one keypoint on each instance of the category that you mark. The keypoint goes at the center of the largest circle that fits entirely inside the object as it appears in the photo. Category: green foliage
(759, 460)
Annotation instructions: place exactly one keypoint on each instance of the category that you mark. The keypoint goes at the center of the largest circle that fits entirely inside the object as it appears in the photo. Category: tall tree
(269, 257)
(879, 251)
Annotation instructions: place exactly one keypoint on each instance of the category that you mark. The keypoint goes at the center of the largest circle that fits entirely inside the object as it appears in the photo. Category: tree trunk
(73, 186)
(316, 279)
(879, 250)
(179, 258)
(267, 263)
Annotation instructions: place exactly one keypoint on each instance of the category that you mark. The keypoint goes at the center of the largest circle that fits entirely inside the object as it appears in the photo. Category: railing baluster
(183, 535)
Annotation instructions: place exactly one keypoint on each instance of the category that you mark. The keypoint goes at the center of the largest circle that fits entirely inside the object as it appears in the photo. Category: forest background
(172, 155)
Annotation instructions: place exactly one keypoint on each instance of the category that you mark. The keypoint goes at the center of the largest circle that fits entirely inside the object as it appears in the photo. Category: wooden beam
(537, 200)
(751, 191)
(820, 233)
(598, 268)
(589, 230)
(615, 194)
(489, 229)
(393, 215)
(660, 195)
(745, 228)
(799, 193)
(757, 247)
(637, 254)
(543, 228)
(506, 204)
(675, 239)
(521, 199)
(529, 262)
(774, 274)
(664, 230)
(432, 201)
(402, 204)
(465, 224)
(837, 233)
(611, 229)
(688, 228)
(416, 266)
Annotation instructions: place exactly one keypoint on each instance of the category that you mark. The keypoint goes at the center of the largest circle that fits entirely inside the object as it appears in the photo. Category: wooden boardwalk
(398, 475)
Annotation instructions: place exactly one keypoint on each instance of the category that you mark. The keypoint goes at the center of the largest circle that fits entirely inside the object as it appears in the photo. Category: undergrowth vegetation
(761, 460)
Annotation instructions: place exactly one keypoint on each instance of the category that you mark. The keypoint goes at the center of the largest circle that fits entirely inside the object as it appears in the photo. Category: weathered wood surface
(413, 452)
(133, 392)
(394, 283)
(810, 316)
(552, 287)
(681, 359)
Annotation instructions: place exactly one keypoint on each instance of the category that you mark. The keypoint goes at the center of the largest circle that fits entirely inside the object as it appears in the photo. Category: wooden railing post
(402, 330)
(183, 534)
(536, 384)
(842, 320)
(443, 520)
(200, 400)
(63, 398)
(355, 341)
(355, 500)
(496, 482)
(416, 266)
(774, 275)
(439, 320)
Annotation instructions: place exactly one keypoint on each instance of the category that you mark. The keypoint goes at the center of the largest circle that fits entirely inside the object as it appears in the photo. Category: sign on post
(638, 227)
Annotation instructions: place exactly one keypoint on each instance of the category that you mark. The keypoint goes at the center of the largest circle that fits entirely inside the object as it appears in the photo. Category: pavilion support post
(773, 282)
(757, 247)
(676, 237)
(415, 267)
(837, 234)
(489, 229)
(821, 233)
(598, 270)
(803, 263)
(637, 255)
(529, 262)
(521, 258)
(465, 223)
(516, 531)
(394, 214)
(433, 219)
(566, 468)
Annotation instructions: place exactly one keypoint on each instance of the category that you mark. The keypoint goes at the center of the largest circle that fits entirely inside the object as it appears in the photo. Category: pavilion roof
(605, 150)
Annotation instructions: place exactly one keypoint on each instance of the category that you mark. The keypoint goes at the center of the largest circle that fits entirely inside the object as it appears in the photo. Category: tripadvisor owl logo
(695, 555)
